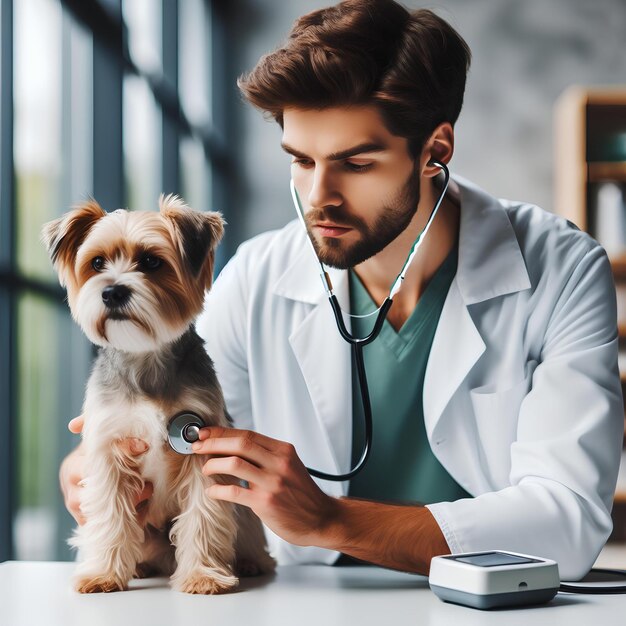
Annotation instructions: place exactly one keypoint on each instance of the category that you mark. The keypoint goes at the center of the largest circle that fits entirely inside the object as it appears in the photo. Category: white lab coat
(522, 396)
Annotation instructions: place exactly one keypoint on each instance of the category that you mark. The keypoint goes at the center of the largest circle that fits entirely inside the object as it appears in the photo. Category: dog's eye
(98, 263)
(149, 263)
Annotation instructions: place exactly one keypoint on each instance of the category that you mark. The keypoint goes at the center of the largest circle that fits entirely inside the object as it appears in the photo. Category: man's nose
(324, 191)
(115, 296)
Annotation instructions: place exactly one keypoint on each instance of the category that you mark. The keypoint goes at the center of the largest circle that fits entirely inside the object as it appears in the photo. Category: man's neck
(378, 273)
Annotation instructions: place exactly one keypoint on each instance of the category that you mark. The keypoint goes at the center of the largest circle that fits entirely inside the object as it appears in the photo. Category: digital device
(487, 580)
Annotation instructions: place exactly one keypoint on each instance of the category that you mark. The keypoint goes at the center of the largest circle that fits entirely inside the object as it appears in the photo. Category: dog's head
(135, 280)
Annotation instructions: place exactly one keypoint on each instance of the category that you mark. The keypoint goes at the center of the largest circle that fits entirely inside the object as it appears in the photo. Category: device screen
(491, 559)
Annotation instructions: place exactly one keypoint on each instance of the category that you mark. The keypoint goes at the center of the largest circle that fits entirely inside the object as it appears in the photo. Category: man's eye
(149, 263)
(358, 167)
(98, 263)
(302, 162)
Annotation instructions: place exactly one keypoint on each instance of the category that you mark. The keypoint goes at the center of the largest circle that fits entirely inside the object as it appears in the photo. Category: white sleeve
(565, 459)
(223, 326)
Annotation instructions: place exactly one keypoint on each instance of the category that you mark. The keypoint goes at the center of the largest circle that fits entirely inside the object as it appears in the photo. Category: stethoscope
(183, 429)
(357, 343)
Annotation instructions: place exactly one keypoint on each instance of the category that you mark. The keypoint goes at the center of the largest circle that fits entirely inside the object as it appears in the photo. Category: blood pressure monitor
(486, 580)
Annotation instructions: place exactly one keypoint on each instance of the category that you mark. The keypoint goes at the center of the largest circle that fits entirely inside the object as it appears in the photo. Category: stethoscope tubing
(357, 343)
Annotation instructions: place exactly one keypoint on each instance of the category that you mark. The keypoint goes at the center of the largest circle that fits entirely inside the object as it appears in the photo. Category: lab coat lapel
(490, 265)
(456, 347)
(324, 359)
(490, 259)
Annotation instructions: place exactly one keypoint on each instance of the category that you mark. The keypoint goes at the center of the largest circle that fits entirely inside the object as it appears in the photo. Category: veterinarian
(495, 392)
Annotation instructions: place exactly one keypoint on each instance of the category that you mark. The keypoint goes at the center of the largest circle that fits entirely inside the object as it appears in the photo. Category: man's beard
(393, 219)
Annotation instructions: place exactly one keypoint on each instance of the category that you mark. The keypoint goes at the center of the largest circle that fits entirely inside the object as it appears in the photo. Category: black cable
(597, 590)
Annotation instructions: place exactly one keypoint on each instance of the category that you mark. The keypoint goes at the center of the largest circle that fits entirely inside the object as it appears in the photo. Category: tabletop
(40, 593)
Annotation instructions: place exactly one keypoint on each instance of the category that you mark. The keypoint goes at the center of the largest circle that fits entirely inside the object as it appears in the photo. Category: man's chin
(338, 265)
(344, 260)
(343, 255)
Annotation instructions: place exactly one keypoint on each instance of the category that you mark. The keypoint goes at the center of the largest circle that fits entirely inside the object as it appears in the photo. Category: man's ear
(438, 147)
(63, 236)
(196, 234)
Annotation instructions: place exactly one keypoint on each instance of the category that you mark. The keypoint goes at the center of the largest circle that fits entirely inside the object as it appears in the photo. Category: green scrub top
(401, 467)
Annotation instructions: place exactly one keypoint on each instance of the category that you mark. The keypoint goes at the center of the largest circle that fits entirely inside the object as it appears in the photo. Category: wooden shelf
(618, 265)
(600, 171)
(610, 95)
(620, 497)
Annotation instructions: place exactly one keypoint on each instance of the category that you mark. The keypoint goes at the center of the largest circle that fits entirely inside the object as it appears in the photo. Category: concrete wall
(525, 52)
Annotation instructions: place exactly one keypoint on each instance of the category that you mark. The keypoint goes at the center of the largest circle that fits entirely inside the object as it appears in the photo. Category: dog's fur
(151, 366)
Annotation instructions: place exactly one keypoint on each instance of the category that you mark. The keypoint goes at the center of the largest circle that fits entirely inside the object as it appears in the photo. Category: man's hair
(411, 65)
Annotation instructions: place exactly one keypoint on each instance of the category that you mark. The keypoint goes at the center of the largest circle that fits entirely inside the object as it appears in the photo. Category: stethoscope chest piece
(183, 429)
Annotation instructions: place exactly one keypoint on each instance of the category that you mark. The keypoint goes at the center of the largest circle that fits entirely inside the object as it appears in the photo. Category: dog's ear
(196, 235)
(63, 236)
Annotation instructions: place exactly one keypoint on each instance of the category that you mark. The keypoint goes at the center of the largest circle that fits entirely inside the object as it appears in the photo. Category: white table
(39, 594)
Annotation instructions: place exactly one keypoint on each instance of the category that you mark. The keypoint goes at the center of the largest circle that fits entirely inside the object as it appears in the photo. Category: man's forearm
(394, 536)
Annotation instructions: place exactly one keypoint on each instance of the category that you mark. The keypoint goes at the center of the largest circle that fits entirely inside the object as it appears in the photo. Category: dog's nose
(115, 295)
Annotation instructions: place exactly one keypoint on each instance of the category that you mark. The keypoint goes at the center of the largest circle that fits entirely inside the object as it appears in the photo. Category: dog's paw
(207, 585)
(104, 583)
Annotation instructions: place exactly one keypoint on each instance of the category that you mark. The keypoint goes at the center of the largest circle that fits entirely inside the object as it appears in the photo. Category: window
(141, 114)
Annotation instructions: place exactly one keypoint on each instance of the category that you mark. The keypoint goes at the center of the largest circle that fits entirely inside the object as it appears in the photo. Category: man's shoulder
(519, 241)
(532, 225)
(555, 251)
(543, 235)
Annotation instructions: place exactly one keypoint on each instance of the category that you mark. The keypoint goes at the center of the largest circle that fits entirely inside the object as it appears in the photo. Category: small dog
(135, 282)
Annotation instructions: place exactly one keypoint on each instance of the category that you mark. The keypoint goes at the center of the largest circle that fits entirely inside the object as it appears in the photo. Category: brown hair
(411, 65)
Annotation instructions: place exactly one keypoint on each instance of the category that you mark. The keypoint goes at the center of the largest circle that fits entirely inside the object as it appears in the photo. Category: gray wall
(525, 52)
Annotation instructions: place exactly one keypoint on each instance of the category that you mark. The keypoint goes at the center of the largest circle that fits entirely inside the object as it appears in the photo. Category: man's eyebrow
(362, 148)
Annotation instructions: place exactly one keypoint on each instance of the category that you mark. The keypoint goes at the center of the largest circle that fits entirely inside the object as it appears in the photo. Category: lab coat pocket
(497, 413)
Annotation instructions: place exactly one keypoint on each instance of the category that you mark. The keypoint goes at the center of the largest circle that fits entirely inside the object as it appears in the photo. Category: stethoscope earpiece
(182, 430)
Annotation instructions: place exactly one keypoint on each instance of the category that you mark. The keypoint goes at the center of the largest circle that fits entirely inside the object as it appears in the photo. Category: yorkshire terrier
(135, 282)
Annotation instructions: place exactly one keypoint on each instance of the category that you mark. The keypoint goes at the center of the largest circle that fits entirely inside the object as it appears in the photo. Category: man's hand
(72, 473)
(280, 490)
(284, 496)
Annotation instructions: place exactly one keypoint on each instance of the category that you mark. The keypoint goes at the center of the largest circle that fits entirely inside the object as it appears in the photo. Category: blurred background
(124, 99)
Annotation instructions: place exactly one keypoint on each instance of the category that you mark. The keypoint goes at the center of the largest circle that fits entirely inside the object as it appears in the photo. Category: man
(496, 396)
